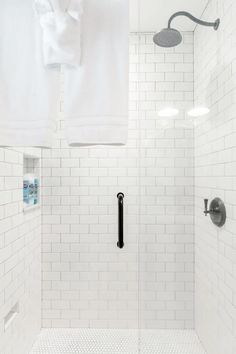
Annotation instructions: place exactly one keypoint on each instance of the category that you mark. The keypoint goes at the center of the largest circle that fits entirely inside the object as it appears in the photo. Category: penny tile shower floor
(112, 341)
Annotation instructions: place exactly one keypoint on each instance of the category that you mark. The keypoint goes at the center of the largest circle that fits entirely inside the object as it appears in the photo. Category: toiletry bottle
(26, 190)
(36, 190)
(29, 189)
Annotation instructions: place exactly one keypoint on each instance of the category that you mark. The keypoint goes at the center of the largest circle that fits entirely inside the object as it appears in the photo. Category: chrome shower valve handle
(206, 207)
(211, 210)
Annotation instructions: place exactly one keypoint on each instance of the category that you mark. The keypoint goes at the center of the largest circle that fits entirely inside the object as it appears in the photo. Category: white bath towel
(96, 93)
(28, 91)
(60, 21)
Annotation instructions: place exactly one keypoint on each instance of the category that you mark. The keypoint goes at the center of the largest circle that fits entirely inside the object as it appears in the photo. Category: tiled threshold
(116, 341)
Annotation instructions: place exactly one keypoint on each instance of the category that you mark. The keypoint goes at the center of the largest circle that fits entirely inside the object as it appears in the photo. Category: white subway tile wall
(166, 185)
(87, 280)
(20, 258)
(215, 142)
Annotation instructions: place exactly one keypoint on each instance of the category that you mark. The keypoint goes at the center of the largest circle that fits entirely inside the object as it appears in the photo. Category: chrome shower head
(168, 37)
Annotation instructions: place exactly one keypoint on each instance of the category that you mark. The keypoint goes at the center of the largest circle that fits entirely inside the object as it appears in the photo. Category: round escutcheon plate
(218, 214)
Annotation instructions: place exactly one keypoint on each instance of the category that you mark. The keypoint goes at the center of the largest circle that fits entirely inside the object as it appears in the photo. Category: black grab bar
(120, 242)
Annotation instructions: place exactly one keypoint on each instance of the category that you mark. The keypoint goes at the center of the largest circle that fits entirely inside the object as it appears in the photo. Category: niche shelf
(31, 166)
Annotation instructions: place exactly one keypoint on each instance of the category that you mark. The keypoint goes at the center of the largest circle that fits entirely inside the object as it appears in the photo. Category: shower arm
(194, 19)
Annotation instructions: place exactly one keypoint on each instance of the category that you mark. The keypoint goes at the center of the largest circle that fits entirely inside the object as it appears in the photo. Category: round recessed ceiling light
(198, 111)
(168, 112)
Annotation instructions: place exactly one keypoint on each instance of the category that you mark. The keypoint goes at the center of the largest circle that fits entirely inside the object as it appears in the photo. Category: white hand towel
(96, 93)
(28, 91)
(60, 22)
